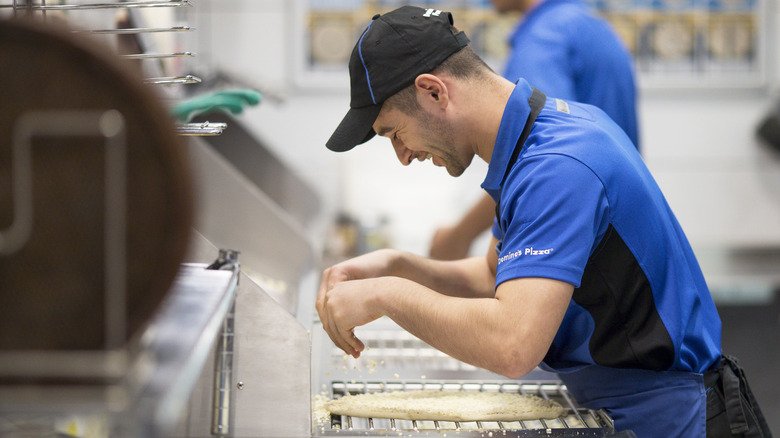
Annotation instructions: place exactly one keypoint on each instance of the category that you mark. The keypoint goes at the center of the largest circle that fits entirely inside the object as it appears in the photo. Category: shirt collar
(513, 120)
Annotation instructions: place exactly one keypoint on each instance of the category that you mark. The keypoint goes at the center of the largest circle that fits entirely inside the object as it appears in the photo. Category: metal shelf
(135, 4)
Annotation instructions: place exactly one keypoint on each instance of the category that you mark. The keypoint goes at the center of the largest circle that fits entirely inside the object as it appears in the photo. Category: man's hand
(344, 302)
(349, 304)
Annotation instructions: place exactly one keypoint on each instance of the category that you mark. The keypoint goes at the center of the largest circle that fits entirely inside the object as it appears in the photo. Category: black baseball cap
(394, 49)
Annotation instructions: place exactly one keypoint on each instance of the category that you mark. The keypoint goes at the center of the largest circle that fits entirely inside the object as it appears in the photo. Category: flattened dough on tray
(446, 406)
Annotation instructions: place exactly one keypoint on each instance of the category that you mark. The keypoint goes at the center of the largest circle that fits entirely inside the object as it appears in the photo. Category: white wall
(722, 183)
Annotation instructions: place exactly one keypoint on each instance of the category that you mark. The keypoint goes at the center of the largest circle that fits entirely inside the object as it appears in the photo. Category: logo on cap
(434, 12)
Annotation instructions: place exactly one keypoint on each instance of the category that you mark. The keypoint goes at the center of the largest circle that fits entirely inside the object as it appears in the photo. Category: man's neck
(487, 114)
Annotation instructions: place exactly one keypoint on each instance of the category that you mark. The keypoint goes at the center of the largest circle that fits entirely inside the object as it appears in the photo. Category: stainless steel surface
(150, 381)
(136, 30)
(223, 376)
(576, 422)
(182, 339)
(271, 389)
(272, 353)
(130, 4)
(256, 160)
(167, 80)
(200, 129)
(275, 252)
(158, 55)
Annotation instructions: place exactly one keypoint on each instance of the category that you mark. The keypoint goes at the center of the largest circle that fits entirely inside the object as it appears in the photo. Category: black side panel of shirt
(629, 332)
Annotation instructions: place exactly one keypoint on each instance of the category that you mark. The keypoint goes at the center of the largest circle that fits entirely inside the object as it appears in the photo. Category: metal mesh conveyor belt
(578, 421)
(395, 360)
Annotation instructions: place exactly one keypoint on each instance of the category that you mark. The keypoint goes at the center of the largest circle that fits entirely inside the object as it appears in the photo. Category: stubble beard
(441, 131)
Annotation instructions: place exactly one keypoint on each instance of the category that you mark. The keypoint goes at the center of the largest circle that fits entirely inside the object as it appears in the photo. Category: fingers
(335, 310)
(342, 333)
(332, 316)
(344, 339)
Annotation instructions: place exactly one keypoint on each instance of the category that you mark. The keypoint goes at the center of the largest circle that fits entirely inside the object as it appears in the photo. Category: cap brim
(355, 129)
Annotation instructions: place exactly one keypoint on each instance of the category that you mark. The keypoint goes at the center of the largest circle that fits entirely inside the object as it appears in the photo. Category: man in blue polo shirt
(566, 51)
(591, 277)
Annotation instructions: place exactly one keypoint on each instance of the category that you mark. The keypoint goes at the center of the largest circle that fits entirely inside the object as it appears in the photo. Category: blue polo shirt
(580, 206)
(562, 48)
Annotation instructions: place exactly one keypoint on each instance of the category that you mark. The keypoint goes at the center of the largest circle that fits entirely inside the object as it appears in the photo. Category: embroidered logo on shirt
(562, 106)
(529, 251)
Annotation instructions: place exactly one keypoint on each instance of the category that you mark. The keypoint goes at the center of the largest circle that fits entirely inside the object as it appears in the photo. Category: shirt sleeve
(554, 212)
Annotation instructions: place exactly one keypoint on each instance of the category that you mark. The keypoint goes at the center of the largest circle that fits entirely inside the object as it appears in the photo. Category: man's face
(421, 137)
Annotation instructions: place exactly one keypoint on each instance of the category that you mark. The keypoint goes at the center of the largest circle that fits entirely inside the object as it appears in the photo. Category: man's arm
(453, 242)
(508, 334)
(462, 278)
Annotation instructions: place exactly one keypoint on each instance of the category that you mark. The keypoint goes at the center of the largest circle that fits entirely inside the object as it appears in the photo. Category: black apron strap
(731, 396)
(732, 409)
(536, 101)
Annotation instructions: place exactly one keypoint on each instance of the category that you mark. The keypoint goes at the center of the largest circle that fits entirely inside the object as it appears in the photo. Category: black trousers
(732, 410)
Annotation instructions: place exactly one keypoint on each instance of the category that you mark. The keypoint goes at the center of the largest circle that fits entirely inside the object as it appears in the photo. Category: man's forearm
(468, 278)
(484, 332)
(478, 219)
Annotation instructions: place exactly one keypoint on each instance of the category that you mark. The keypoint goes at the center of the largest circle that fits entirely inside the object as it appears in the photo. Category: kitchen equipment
(395, 360)
(95, 193)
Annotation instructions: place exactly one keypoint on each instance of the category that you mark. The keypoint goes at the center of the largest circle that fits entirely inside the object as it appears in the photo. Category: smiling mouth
(424, 156)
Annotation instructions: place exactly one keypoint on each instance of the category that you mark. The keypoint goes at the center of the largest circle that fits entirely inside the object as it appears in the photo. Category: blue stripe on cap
(360, 52)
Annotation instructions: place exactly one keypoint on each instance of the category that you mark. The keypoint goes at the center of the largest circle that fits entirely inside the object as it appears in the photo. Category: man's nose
(405, 155)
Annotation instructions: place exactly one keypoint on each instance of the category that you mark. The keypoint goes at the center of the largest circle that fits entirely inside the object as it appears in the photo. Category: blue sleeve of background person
(557, 222)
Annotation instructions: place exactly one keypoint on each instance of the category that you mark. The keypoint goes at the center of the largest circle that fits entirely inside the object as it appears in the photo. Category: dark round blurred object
(53, 287)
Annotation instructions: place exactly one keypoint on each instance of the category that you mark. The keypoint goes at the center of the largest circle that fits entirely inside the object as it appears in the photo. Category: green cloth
(232, 101)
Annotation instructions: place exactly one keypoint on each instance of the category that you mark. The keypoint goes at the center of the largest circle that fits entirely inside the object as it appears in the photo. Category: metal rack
(42, 6)
(395, 360)
(156, 78)
(582, 421)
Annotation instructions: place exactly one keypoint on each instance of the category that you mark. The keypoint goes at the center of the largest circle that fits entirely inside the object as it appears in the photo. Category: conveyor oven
(395, 360)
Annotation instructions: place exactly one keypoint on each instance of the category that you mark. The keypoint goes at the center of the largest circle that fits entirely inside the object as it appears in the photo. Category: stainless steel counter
(141, 390)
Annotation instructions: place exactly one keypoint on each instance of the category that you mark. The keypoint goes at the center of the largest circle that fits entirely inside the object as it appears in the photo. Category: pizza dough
(446, 406)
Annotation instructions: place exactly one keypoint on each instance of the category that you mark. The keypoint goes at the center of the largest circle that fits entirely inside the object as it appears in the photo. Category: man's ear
(431, 91)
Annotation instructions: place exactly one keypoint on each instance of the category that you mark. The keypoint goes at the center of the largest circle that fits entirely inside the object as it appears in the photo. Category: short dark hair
(464, 64)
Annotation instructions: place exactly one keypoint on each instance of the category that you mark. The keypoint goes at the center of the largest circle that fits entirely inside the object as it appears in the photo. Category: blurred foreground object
(95, 193)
